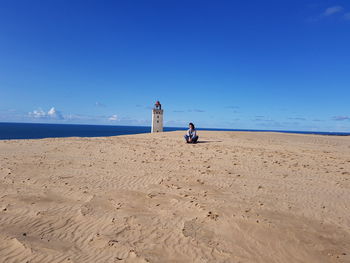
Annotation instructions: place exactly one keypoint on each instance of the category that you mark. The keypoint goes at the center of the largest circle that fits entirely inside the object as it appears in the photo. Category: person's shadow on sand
(206, 141)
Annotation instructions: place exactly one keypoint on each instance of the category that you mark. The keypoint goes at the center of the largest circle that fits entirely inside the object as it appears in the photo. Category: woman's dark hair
(191, 124)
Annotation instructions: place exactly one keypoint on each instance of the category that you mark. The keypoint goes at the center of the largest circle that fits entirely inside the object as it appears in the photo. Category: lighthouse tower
(157, 118)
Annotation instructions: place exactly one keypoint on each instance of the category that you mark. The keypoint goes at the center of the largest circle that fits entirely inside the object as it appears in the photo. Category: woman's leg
(195, 139)
(186, 138)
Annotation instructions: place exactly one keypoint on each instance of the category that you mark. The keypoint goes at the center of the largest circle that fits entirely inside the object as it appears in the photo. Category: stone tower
(157, 118)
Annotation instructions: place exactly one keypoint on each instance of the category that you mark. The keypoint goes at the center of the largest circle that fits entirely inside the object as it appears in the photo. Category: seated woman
(191, 136)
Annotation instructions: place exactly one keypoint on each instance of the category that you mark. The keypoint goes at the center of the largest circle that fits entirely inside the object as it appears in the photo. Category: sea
(10, 131)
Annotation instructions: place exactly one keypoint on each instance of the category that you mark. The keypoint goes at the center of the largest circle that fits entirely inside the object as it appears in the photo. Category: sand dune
(234, 197)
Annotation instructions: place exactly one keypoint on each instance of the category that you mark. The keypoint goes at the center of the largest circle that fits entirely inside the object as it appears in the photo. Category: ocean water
(10, 131)
(39, 131)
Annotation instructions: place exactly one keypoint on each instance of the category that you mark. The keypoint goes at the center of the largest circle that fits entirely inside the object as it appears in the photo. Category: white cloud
(99, 104)
(54, 114)
(341, 118)
(51, 114)
(113, 117)
(38, 114)
(333, 10)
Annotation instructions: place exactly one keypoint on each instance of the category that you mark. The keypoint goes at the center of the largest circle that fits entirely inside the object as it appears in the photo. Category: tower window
(157, 121)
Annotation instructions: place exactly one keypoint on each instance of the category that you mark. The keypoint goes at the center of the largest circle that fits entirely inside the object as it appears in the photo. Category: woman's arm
(194, 133)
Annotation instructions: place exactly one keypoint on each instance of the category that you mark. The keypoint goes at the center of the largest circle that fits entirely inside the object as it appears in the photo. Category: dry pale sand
(235, 197)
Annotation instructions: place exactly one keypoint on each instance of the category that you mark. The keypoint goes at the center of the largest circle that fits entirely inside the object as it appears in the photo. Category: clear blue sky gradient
(221, 64)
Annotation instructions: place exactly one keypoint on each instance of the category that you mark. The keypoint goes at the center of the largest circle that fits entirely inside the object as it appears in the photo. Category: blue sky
(221, 64)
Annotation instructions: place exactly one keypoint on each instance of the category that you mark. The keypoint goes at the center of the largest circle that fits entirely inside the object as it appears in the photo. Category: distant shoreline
(16, 131)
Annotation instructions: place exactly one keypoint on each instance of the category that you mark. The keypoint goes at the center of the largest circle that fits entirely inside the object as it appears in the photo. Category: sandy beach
(233, 197)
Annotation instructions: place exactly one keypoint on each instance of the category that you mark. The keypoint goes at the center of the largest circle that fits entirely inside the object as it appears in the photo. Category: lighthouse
(157, 118)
